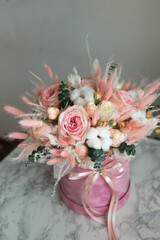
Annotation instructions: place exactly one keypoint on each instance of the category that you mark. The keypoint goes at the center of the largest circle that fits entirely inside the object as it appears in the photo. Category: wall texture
(53, 31)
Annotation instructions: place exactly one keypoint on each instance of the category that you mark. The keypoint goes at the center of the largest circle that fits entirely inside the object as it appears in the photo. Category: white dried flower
(74, 79)
(94, 67)
(139, 115)
(134, 95)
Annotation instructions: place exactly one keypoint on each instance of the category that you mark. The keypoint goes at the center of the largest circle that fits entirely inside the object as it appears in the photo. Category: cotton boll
(89, 142)
(103, 132)
(80, 101)
(92, 133)
(89, 98)
(106, 143)
(96, 143)
(85, 90)
(75, 94)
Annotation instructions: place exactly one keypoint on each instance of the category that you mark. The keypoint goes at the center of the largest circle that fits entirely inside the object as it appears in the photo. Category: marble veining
(27, 211)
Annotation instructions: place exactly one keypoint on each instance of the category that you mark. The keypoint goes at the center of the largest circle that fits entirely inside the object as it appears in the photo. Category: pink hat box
(100, 194)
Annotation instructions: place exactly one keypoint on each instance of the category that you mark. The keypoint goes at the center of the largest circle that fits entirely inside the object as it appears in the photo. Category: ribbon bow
(114, 169)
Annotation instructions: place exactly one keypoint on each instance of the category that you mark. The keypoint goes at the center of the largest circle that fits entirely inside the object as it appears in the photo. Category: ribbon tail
(85, 197)
(112, 211)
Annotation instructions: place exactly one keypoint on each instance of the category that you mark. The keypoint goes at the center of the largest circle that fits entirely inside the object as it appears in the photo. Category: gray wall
(53, 31)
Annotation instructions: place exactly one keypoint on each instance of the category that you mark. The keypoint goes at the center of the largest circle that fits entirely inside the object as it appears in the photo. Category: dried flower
(81, 150)
(52, 113)
(107, 110)
(117, 137)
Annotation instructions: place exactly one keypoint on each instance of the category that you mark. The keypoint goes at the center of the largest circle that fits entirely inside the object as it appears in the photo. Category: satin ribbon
(111, 170)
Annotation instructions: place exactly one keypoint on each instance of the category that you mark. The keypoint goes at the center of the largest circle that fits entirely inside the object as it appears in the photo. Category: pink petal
(13, 110)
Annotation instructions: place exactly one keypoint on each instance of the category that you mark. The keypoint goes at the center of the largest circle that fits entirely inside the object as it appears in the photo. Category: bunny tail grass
(18, 135)
(31, 123)
(48, 70)
(13, 110)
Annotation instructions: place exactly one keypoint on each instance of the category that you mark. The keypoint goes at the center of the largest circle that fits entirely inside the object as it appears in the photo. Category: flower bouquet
(89, 127)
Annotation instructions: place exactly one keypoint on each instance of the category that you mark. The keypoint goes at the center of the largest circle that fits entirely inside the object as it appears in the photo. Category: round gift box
(100, 194)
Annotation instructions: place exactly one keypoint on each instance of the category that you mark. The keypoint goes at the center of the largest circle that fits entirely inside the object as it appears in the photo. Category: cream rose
(107, 110)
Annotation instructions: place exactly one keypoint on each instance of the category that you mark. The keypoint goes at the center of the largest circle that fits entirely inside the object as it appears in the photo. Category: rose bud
(122, 124)
(82, 151)
(149, 114)
(52, 113)
(112, 123)
(157, 130)
(102, 124)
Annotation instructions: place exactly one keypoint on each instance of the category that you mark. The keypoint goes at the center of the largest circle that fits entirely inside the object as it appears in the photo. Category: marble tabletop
(27, 211)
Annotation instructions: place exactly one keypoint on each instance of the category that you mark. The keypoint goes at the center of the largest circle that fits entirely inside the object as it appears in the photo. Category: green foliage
(96, 156)
(64, 95)
(130, 149)
(38, 155)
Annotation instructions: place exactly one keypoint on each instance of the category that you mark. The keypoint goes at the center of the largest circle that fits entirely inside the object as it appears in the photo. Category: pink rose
(49, 96)
(73, 125)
